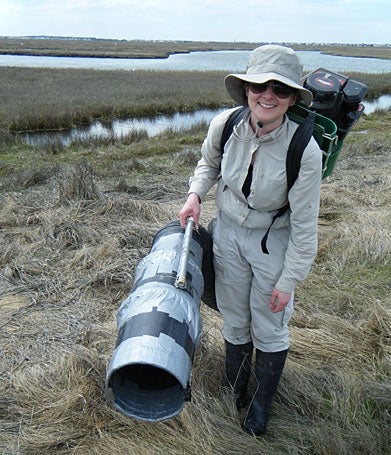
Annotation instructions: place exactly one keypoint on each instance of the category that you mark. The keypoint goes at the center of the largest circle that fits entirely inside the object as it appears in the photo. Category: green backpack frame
(325, 134)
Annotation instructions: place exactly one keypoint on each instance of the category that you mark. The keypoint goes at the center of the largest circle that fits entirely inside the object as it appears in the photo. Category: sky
(295, 21)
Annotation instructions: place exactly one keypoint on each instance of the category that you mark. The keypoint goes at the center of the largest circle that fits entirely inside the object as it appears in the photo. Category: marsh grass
(22, 164)
(50, 99)
(111, 48)
(152, 49)
(44, 99)
(69, 245)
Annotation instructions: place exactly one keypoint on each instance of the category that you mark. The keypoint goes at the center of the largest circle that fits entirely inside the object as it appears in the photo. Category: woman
(254, 290)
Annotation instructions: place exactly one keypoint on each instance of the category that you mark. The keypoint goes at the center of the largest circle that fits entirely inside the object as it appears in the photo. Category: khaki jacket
(268, 189)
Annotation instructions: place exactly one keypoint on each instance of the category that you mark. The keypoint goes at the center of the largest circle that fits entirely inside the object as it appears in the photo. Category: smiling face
(267, 107)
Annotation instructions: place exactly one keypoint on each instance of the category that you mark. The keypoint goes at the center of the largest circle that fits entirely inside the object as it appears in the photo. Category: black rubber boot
(237, 370)
(268, 370)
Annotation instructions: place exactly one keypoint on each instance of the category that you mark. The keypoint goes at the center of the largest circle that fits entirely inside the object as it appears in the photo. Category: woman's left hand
(279, 300)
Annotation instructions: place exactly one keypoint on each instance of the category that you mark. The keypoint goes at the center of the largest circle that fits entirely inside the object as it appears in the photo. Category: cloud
(252, 20)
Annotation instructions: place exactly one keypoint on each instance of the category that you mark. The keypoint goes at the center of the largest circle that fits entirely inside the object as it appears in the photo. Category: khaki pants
(245, 279)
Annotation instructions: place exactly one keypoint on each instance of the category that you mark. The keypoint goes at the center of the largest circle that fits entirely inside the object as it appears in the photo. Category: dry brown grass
(68, 249)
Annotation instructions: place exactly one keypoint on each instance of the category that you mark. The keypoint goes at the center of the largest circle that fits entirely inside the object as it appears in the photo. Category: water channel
(230, 61)
(152, 125)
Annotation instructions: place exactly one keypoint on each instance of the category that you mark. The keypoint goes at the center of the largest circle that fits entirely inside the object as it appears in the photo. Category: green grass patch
(23, 165)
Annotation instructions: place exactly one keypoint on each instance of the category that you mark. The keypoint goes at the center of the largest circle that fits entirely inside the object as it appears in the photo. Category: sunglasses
(281, 90)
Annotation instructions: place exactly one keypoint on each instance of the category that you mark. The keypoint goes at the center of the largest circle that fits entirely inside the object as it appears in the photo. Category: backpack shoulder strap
(299, 142)
(232, 121)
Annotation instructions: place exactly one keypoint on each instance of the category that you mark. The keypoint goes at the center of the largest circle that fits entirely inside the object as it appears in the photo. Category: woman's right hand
(192, 208)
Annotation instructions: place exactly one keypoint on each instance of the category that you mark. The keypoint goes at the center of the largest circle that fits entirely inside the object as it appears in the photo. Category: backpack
(336, 108)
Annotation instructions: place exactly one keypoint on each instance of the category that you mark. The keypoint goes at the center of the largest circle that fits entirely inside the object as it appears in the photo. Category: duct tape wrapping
(159, 327)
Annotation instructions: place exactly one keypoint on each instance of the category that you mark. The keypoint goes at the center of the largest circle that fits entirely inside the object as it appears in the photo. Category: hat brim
(234, 83)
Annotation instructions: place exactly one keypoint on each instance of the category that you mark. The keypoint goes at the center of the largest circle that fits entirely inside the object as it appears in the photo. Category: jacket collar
(249, 132)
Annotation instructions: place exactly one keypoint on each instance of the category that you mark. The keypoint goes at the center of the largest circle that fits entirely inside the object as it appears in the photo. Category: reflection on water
(118, 128)
(383, 102)
(152, 125)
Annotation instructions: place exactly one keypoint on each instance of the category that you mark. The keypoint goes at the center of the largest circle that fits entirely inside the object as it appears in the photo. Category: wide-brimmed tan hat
(266, 63)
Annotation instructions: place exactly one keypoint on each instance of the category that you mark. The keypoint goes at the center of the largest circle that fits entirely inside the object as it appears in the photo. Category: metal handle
(180, 281)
